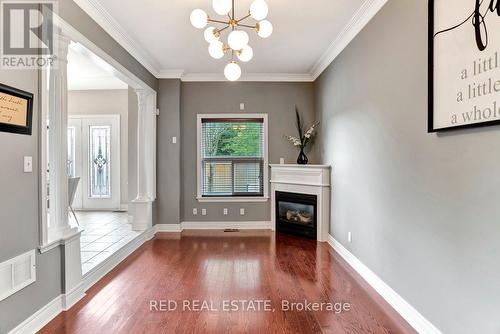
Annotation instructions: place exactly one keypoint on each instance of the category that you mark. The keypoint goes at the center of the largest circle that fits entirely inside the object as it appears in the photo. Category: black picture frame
(430, 125)
(12, 128)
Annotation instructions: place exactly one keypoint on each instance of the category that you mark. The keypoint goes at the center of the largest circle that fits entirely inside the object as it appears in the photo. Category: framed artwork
(16, 110)
(464, 64)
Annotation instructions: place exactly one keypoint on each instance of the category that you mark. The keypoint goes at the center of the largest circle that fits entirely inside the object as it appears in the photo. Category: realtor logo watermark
(27, 34)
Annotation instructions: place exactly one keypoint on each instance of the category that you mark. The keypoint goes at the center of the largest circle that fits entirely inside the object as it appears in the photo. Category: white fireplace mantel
(304, 179)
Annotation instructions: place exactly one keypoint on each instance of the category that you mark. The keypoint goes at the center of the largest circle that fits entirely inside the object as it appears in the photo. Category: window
(232, 157)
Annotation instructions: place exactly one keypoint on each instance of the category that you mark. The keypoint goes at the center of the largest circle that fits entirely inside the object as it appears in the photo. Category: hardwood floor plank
(244, 267)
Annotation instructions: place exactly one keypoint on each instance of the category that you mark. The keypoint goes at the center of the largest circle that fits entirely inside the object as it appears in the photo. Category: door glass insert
(100, 154)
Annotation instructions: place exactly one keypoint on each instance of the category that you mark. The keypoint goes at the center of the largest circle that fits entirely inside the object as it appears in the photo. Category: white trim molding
(363, 15)
(213, 225)
(249, 77)
(232, 199)
(170, 74)
(40, 318)
(408, 312)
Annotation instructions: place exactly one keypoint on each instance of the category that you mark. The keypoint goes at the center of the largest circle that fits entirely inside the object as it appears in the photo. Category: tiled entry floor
(104, 233)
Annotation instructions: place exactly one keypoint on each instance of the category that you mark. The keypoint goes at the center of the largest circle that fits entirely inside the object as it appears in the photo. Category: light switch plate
(195, 212)
(174, 140)
(242, 106)
(28, 164)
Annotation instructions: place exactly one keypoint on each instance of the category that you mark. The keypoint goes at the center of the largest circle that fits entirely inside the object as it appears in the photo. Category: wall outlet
(242, 211)
(203, 212)
(242, 106)
(349, 237)
(195, 212)
(282, 161)
(28, 164)
(225, 211)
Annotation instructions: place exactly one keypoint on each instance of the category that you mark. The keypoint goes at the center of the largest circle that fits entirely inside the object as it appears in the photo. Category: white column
(142, 204)
(58, 179)
(58, 152)
(142, 149)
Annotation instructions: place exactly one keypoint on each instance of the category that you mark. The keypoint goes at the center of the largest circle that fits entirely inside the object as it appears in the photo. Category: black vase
(302, 159)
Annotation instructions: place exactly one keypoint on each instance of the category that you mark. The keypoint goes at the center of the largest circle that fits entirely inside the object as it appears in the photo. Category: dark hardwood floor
(222, 268)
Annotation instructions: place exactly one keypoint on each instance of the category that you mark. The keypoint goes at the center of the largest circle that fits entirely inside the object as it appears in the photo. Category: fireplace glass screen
(295, 213)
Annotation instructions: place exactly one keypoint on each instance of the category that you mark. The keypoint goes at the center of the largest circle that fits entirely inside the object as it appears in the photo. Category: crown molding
(250, 77)
(170, 74)
(99, 14)
(359, 20)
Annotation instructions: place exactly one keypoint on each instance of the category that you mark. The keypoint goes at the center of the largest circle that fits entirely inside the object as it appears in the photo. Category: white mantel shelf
(304, 179)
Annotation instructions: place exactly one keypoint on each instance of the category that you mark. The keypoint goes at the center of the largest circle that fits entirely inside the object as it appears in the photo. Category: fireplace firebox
(296, 214)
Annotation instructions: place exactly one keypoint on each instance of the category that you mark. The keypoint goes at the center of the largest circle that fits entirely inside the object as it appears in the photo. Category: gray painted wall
(19, 207)
(423, 208)
(19, 213)
(278, 100)
(106, 102)
(168, 206)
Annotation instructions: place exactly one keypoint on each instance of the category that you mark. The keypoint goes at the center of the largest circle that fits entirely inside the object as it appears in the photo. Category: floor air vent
(231, 230)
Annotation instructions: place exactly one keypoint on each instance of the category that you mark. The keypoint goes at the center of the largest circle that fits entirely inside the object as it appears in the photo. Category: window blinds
(232, 157)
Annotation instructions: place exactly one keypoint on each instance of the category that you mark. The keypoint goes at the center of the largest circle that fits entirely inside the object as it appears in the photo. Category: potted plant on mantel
(303, 139)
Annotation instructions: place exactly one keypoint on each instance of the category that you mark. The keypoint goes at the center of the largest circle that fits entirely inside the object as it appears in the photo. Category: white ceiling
(307, 34)
(86, 71)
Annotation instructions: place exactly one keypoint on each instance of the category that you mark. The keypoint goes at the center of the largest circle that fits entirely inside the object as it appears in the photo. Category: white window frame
(199, 171)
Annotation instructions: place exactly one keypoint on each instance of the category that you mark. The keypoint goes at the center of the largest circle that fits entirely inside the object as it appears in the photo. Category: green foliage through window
(232, 139)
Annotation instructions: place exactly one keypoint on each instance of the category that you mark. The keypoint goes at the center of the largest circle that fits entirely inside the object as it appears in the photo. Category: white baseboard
(40, 318)
(410, 314)
(205, 225)
(244, 225)
(69, 299)
(168, 228)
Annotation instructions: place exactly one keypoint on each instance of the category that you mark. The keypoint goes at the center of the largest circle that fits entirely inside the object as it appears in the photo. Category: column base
(72, 263)
(142, 214)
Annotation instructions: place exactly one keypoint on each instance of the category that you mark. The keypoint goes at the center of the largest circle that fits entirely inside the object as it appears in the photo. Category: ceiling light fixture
(237, 39)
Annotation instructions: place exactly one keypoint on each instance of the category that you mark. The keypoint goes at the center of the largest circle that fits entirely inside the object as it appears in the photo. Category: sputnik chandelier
(237, 39)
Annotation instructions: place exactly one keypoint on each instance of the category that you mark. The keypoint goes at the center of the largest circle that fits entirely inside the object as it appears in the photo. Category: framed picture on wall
(16, 110)
(464, 64)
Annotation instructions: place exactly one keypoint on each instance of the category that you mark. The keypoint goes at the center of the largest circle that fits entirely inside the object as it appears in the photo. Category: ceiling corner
(359, 20)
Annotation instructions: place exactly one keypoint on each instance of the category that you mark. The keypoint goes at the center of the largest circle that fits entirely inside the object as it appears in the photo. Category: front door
(94, 156)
